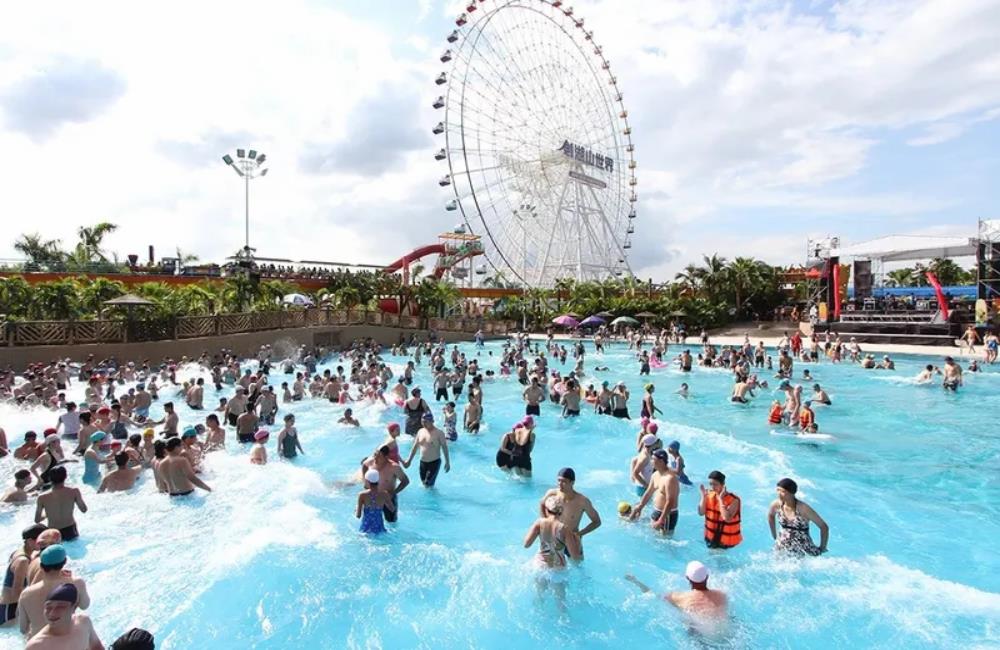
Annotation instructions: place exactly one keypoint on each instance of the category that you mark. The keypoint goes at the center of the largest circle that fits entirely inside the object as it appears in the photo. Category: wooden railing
(187, 327)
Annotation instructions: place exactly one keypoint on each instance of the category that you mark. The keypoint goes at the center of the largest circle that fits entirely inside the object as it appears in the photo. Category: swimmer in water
(258, 455)
(807, 418)
(349, 419)
(706, 609)
(927, 374)
(683, 391)
(820, 396)
(952, 375)
(806, 376)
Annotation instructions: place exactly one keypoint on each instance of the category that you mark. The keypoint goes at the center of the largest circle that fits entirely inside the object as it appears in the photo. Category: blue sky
(757, 123)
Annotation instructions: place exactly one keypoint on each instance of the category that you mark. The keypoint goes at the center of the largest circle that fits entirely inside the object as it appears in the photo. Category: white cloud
(738, 107)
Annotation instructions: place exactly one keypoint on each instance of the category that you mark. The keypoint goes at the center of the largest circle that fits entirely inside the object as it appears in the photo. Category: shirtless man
(215, 437)
(970, 337)
(140, 407)
(30, 449)
(740, 391)
(707, 608)
(176, 472)
(432, 443)
(952, 374)
(57, 505)
(570, 400)
(575, 505)
(17, 494)
(122, 478)
(392, 479)
(170, 419)
(196, 394)
(65, 629)
(533, 395)
(820, 396)
(267, 405)
(664, 489)
(31, 605)
(246, 424)
(349, 419)
(18, 571)
(235, 407)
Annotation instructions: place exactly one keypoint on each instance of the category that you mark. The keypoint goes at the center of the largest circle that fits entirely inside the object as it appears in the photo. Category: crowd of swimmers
(113, 435)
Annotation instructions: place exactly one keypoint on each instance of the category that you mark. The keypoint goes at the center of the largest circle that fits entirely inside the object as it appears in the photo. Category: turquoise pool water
(272, 558)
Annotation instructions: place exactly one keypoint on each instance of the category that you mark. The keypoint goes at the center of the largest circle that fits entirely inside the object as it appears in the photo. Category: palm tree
(88, 249)
(40, 253)
(901, 277)
(947, 271)
(744, 273)
(690, 278)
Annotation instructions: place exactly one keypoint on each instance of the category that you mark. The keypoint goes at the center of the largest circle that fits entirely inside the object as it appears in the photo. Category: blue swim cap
(53, 555)
(190, 433)
(674, 445)
(98, 436)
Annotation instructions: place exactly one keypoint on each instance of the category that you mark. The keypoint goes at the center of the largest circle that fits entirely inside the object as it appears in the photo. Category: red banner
(942, 301)
(836, 291)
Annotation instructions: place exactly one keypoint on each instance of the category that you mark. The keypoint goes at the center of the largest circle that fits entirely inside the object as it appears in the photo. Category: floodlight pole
(248, 164)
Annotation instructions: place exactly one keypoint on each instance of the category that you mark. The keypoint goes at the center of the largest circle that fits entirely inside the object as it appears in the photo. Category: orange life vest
(775, 416)
(805, 418)
(718, 532)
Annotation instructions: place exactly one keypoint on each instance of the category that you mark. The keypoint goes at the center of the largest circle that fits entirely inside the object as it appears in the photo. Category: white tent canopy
(899, 248)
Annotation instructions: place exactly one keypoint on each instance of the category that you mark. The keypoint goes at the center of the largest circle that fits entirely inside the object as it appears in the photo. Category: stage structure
(988, 260)
(922, 320)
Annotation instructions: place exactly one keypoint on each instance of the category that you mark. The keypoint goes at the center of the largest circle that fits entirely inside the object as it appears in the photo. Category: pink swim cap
(644, 420)
(261, 434)
(652, 428)
(528, 421)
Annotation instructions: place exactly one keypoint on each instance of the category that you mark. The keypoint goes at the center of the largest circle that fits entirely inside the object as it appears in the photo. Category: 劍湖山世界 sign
(587, 157)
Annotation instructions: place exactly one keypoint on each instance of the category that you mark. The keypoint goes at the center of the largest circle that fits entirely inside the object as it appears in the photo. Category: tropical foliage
(947, 272)
(87, 255)
(710, 294)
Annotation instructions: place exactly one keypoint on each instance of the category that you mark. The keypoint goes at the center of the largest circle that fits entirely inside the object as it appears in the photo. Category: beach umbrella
(624, 320)
(591, 321)
(604, 314)
(298, 300)
(645, 314)
(566, 321)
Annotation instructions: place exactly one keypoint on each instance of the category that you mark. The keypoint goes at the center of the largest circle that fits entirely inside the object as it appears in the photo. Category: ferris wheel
(537, 142)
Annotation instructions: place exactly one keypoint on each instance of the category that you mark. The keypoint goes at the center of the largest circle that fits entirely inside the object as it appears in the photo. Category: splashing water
(272, 557)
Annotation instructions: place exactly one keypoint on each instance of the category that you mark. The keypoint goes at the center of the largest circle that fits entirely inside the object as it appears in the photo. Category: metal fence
(186, 327)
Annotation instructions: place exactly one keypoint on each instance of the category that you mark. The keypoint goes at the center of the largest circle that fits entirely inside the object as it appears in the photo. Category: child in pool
(370, 505)
(450, 418)
(258, 455)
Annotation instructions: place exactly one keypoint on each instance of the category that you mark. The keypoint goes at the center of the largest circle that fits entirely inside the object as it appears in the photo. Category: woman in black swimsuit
(415, 407)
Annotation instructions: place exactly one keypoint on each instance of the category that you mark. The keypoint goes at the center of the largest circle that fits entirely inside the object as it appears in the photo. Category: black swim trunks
(620, 413)
(392, 515)
(671, 519)
(181, 494)
(429, 471)
(69, 533)
(532, 409)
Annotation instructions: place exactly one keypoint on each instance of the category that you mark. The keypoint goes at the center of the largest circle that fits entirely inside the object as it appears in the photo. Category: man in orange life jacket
(722, 513)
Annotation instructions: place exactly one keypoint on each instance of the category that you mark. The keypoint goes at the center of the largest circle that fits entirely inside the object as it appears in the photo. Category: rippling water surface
(272, 558)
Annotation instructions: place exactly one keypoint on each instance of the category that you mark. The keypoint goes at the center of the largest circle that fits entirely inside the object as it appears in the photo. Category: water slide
(448, 257)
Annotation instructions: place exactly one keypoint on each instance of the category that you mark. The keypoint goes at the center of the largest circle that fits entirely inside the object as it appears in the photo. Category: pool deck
(771, 340)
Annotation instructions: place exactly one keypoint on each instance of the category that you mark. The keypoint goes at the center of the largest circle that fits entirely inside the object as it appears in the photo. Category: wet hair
(212, 417)
(173, 443)
(85, 417)
(716, 475)
(788, 485)
(135, 439)
(384, 450)
(22, 474)
(160, 449)
(134, 639)
(929, 367)
(168, 405)
(58, 474)
(121, 459)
